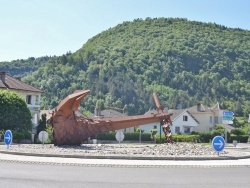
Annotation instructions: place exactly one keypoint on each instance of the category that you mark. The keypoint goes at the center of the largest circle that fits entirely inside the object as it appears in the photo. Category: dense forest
(21, 67)
(183, 61)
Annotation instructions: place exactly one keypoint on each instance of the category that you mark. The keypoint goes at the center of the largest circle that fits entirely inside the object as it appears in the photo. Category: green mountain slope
(22, 67)
(183, 61)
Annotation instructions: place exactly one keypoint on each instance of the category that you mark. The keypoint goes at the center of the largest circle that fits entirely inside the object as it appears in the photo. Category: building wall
(218, 116)
(129, 130)
(206, 120)
(179, 122)
(148, 127)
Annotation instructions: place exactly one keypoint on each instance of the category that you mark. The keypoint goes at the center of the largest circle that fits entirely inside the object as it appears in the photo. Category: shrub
(178, 138)
(205, 137)
(18, 136)
(153, 133)
(127, 136)
(106, 136)
(49, 130)
(239, 138)
(185, 138)
(238, 131)
(15, 114)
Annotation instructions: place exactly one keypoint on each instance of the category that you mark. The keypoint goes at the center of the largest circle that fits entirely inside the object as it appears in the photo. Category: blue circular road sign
(218, 143)
(8, 137)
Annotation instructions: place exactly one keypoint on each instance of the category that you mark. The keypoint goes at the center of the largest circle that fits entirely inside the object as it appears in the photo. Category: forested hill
(124, 65)
(21, 67)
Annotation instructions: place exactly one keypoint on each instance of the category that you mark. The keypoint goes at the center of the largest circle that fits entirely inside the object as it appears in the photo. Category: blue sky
(35, 28)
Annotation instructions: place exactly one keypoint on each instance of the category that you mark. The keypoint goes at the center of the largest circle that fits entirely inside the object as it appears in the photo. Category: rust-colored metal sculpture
(68, 129)
(165, 123)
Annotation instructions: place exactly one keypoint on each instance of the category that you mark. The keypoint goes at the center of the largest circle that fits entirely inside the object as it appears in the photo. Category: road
(25, 175)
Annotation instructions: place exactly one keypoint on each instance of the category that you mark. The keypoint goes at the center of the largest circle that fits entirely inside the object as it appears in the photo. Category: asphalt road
(23, 175)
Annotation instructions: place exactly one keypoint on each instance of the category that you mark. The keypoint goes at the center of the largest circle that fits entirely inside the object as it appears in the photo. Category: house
(198, 118)
(207, 117)
(31, 95)
(218, 113)
(182, 122)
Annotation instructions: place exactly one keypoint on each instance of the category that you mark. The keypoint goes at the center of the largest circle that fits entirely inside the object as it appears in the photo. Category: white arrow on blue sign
(8, 137)
(229, 113)
(218, 143)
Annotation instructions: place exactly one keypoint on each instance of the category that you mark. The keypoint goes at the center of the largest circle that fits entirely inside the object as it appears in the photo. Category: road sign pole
(227, 118)
(225, 132)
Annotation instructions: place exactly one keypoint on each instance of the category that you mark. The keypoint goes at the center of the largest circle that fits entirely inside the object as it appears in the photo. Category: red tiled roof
(13, 83)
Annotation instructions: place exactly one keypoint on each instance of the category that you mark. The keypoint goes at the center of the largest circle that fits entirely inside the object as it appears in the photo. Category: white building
(183, 122)
(31, 95)
(208, 117)
(148, 127)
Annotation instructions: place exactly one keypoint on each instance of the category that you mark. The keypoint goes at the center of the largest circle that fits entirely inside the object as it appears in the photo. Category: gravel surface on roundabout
(129, 150)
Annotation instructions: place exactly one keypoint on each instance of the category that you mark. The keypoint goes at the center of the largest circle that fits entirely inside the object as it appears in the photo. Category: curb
(127, 157)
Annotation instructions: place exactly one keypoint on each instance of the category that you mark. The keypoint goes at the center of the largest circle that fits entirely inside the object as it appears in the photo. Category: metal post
(226, 133)
(43, 137)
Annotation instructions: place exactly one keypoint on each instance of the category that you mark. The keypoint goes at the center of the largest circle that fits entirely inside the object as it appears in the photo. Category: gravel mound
(131, 150)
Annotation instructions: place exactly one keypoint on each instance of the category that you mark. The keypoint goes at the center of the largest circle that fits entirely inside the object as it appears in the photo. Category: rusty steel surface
(68, 129)
(166, 123)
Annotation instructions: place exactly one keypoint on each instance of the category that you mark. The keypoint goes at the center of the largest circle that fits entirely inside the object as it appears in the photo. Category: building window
(186, 130)
(216, 120)
(177, 130)
(28, 99)
(185, 118)
(211, 119)
(155, 126)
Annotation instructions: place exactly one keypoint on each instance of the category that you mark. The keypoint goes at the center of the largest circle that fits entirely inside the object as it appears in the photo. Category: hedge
(21, 135)
(239, 138)
(127, 136)
(205, 137)
(178, 138)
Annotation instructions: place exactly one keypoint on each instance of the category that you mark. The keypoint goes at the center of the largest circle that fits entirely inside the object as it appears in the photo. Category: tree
(14, 112)
(99, 106)
(202, 64)
(238, 131)
(42, 124)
